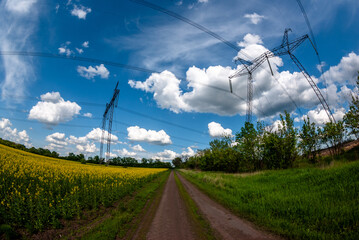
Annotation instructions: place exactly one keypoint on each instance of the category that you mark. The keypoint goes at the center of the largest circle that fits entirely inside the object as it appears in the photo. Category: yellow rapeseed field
(36, 191)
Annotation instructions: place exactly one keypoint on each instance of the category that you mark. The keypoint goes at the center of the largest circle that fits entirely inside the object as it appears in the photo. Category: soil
(171, 220)
(228, 225)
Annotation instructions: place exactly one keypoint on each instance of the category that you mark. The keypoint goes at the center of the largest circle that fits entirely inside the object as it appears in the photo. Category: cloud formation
(254, 17)
(166, 155)
(207, 90)
(53, 109)
(135, 133)
(80, 11)
(92, 72)
(13, 134)
(216, 130)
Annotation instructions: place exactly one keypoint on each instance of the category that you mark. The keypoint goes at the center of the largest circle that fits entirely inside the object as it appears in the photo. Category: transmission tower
(108, 115)
(286, 48)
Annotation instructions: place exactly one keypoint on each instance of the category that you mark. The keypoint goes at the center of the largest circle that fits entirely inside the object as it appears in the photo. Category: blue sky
(58, 103)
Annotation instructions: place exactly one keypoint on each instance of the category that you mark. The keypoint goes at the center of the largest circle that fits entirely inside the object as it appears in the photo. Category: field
(37, 192)
(307, 203)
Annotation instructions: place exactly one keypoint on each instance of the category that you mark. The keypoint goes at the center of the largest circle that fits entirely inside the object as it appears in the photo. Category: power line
(184, 19)
(96, 118)
(76, 58)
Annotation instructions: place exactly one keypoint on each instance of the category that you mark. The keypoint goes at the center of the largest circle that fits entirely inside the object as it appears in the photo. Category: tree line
(258, 147)
(117, 161)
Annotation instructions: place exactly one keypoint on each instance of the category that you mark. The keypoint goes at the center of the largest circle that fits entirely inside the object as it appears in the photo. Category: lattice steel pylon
(108, 115)
(286, 48)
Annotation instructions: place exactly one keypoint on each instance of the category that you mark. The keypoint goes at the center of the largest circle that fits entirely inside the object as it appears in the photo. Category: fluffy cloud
(19, 20)
(13, 134)
(136, 133)
(203, 1)
(80, 11)
(57, 138)
(254, 18)
(320, 117)
(189, 153)
(84, 144)
(96, 133)
(216, 130)
(53, 109)
(88, 148)
(138, 148)
(166, 155)
(345, 72)
(65, 50)
(125, 153)
(92, 72)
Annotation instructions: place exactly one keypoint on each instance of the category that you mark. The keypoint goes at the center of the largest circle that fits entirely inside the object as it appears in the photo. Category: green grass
(127, 214)
(202, 227)
(307, 203)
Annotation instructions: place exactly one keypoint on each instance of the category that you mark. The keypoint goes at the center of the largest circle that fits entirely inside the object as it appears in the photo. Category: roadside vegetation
(302, 203)
(39, 192)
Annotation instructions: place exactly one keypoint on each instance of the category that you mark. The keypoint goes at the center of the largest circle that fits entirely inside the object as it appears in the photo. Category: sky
(184, 101)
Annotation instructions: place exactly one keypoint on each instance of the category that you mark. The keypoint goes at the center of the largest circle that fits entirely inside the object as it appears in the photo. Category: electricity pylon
(108, 115)
(286, 48)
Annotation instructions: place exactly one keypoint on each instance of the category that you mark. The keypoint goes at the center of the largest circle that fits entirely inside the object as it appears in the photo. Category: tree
(248, 140)
(177, 162)
(332, 135)
(309, 140)
(280, 147)
(351, 118)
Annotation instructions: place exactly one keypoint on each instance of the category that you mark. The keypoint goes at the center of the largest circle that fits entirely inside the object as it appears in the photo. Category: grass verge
(308, 203)
(201, 226)
(126, 215)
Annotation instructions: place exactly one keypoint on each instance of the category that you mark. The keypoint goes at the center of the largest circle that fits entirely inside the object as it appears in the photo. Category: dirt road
(171, 220)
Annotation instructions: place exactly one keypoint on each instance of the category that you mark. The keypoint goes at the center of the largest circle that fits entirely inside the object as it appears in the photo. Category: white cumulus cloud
(166, 155)
(138, 148)
(135, 133)
(11, 134)
(53, 109)
(216, 130)
(92, 72)
(80, 11)
(125, 153)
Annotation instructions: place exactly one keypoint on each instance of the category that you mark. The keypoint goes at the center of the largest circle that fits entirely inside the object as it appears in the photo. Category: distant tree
(332, 135)
(177, 162)
(351, 118)
(309, 140)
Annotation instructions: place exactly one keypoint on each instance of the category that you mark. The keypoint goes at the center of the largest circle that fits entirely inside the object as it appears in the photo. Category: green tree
(177, 162)
(332, 135)
(280, 147)
(351, 118)
(249, 145)
(309, 140)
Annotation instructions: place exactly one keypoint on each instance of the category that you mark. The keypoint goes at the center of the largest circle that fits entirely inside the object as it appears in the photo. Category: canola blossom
(36, 191)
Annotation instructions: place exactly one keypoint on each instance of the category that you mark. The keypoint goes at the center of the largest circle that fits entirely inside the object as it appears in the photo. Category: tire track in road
(171, 220)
